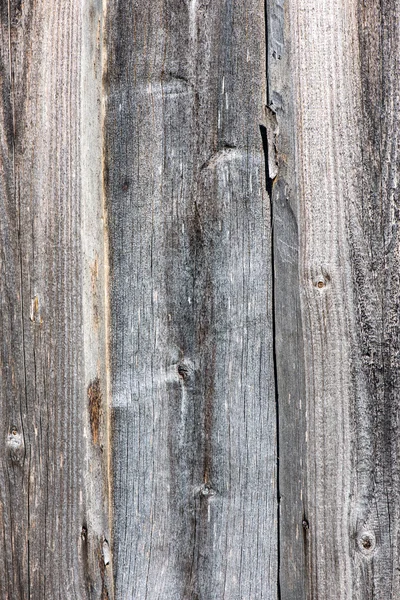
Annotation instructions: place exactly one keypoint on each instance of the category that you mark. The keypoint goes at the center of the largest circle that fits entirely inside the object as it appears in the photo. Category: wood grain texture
(248, 161)
(53, 480)
(328, 153)
(345, 65)
(194, 424)
(288, 328)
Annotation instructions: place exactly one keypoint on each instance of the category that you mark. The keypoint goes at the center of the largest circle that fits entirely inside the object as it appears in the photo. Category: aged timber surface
(245, 298)
(345, 64)
(193, 426)
(288, 333)
(53, 492)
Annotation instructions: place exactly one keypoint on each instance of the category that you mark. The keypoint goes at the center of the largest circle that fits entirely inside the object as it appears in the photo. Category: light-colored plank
(53, 472)
(194, 421)
(345, 67)
(328, 143)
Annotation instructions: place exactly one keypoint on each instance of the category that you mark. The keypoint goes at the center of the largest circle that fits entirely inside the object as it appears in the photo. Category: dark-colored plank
(375, 257)
(53, 491)
(194, 424)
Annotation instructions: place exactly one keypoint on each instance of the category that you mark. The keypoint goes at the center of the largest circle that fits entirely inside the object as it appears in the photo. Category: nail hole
(183, 371)
(320, 277)
(306, 524)
(367, 542)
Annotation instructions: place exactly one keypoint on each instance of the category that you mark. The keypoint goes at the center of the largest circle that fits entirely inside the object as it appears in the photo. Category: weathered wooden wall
(199, 318)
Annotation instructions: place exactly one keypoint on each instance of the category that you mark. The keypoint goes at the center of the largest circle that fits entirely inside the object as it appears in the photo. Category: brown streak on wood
(95, 408)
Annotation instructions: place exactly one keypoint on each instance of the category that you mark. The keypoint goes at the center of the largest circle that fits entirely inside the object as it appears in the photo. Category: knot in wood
(15, 445)
(366, 542)
(185, 369)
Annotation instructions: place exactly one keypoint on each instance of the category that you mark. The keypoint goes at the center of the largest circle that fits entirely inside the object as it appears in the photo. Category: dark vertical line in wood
(275, 362)
(269, 188)
(279, 149)
(107, 283)
(269, 180)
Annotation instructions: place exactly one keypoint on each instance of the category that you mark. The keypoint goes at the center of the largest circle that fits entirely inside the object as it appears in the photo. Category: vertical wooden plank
(345, 65)
(328, 154)
(288, 329)
(53, 486)
(194, 419)
(376, 272)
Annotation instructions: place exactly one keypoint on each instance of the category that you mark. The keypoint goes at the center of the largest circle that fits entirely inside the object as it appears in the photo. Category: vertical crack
(274, 357)
(268, 135)
(107, 287)
(269, 183)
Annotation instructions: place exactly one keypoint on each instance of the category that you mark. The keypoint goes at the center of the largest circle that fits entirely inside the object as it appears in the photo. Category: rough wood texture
(288, 331)
(194, 458)
(345, 61)
(248, 158)
(53, 491)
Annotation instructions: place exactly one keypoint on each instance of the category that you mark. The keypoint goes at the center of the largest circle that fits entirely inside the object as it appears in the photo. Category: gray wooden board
(345, 63)
(213, 291)
(193, 420)
(288, 334)
(53, 475)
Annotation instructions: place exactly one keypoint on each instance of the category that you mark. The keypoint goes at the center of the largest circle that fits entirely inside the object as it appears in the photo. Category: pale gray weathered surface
(250, 346)
(194, 456)
(53, 489)
(345, 63)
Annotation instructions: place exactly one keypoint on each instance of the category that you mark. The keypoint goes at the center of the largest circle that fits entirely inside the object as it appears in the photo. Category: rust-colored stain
(94, 396)
(94, 268)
